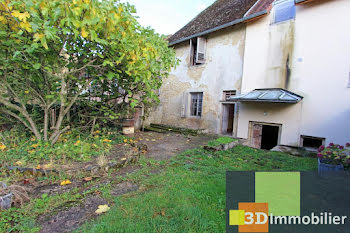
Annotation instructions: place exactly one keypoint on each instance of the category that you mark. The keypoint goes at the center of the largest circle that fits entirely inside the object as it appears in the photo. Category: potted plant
(334, 157)
(128, 122)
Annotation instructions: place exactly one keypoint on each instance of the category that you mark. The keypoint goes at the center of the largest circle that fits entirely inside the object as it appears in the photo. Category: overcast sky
(168, 16)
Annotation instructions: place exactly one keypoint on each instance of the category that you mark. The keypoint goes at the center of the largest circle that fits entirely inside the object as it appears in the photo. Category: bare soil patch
(70, 219)
(162, 146)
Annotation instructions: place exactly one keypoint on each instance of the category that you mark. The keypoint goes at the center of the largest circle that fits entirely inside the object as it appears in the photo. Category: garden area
(74, 76)
(184, 192)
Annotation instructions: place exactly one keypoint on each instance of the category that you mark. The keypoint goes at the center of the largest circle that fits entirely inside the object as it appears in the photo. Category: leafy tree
(56, 53)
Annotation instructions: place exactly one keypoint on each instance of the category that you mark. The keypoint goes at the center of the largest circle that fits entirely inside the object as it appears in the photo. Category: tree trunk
(46, 122)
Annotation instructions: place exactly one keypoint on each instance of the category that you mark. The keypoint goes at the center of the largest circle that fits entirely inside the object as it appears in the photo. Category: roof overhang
(302, 1)
(268, 95)
(237, 21)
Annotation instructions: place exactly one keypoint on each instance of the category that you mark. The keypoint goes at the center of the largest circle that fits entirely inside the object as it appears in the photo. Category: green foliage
(56, 53)
(220, 141)
(23, 150)
(189, 195)
(23, 219)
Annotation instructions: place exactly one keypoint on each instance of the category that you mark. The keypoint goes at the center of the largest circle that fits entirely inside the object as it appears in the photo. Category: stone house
(273, 72)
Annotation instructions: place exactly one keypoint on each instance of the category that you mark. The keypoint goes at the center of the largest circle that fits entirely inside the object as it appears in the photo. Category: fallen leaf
(102, 209)
(47, 166)
(19, 163)
(98, 192)
(153, 140)
(65, 182)
(87, 179)
(162, 212)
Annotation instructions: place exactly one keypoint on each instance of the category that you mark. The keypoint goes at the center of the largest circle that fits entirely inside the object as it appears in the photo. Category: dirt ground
(164, 146)
(159, 146)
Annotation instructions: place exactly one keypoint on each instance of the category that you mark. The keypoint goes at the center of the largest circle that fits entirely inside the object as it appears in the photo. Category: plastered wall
(222, 71)
(318, 45)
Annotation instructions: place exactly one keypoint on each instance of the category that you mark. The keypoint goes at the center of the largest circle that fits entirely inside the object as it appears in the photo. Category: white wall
(320, 67)
(222, 71)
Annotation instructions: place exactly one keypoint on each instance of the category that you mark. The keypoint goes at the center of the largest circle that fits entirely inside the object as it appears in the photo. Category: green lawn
(189, 194)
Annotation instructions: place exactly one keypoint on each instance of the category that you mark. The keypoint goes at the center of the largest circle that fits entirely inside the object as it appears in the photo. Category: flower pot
(128, 126)
(6, 201)
(323, 167)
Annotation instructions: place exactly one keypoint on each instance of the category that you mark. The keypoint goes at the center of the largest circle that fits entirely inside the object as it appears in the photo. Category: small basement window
(228, 94)
(198, 47)
(283, 10)
(311, 142)
(196, 104)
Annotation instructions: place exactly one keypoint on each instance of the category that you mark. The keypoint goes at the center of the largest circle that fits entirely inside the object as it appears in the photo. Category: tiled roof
(219, 13)
(260, 5)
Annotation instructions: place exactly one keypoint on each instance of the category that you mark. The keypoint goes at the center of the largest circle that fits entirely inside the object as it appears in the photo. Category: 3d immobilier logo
(274, 203)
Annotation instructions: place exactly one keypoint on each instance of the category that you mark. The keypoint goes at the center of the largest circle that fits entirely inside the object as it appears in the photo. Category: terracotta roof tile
(260, 6)
(219, 13)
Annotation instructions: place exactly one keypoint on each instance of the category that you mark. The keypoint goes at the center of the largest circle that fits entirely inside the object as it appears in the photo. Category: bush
(18, 148)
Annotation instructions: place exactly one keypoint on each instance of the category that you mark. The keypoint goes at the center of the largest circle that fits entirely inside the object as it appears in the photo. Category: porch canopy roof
(270, 95)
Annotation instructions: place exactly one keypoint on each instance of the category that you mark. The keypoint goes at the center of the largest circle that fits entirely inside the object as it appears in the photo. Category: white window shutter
(201, 47)
(184, 104)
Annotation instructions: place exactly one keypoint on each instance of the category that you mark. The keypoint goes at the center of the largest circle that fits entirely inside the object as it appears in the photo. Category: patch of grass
(23, 219)
(189, 195)
(20, 149)
(220, 141)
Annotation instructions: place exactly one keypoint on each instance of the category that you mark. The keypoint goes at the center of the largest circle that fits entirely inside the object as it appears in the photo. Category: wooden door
(256, 135)
(231, 112)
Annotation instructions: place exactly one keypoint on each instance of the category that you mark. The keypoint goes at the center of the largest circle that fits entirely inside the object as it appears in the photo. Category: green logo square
(281, 190)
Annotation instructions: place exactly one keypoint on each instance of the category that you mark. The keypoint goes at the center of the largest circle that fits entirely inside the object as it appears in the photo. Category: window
(283, 10)
(198, 47)
(228, 94)
(311, 142)
(196, 104)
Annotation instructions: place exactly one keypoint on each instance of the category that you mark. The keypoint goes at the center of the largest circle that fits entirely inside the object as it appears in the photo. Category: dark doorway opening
(228, 118)
(269, 136)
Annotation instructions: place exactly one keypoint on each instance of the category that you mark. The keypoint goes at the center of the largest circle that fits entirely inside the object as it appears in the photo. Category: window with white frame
(196, 104)
(283, 10)
(198, 47)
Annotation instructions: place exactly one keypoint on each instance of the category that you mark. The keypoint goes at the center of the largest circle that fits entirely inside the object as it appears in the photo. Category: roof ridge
(219, 13)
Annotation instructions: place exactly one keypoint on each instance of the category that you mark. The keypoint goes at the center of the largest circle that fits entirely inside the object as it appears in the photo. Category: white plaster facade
(320, 67)
(222, 70)
(253, 55)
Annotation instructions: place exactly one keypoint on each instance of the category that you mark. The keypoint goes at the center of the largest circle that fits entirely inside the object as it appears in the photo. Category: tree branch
(17, 117)
(54, 139)
(83, 67)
